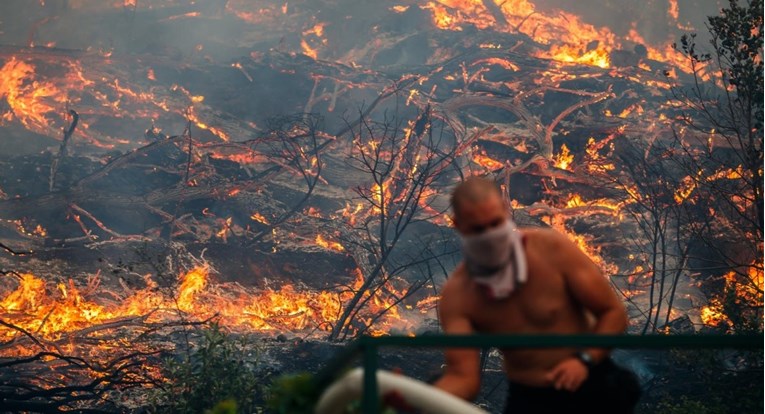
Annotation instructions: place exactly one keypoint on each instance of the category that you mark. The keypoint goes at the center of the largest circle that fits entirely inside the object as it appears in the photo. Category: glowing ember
(686, 188)
(577, 201)
(259, 218)
(327, 244)
(486, 162)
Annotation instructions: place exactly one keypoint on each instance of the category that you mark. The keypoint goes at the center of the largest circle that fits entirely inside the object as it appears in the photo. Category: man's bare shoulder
(543, 237)
(553, 245)
(456, 281)
(556, 248)
(455, 286)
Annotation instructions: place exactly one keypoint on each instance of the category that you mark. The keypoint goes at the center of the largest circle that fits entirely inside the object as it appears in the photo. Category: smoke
(163, 63)
(160, 27)
(651, 18)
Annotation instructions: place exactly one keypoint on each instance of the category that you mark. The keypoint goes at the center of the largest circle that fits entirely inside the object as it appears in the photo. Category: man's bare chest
(537, 306)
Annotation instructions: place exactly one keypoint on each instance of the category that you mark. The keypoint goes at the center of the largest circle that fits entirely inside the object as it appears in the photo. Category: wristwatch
(586, 359)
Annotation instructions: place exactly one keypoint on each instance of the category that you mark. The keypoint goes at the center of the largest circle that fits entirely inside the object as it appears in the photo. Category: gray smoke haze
(82, 24)
(650, 17)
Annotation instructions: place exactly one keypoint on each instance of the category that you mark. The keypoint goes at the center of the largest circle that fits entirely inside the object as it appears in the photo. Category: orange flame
(351, 213)
(382, 196)
(327, 244)
(583, 242)
(674, 10)
(684, 191)
(53, 313)
(192, 283)
(575, 54)
(570, 39)
(748, 292)
(31, 101)
(564, 159)
(259, 218)
(487, 162)
(576, 201)
(25, 296)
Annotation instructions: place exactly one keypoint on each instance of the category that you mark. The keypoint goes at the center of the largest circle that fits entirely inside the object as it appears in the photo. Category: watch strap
(586, 358)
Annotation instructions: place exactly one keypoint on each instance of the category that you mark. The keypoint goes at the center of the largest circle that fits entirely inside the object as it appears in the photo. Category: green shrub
(293, 393)
(217, 377)
(299, 393)
(688, 406)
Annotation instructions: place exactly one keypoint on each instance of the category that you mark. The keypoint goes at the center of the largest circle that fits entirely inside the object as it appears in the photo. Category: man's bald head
(472, 191)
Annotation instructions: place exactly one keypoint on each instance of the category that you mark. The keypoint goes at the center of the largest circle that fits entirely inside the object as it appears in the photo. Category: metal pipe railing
(368, 347)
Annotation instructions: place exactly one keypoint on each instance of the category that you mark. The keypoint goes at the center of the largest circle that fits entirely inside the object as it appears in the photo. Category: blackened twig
(62, 149)
(13, 252)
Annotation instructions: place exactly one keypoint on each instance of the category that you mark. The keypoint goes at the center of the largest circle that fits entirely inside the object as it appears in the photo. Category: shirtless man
(530, 281)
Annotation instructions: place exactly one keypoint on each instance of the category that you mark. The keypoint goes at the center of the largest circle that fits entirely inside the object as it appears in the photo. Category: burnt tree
(720, 134)
(401, 165)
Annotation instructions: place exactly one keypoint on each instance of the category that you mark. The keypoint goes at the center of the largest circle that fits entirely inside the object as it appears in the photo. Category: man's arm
(587, 285)
(591, 289)
(462, 376)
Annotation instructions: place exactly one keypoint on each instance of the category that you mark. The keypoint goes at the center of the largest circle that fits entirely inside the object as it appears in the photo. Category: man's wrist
(586, 358)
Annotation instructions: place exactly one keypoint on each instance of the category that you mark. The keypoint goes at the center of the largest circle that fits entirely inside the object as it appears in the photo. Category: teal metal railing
(367, 348)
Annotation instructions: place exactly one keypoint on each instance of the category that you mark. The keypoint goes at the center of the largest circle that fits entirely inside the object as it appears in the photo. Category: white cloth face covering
(496, 259)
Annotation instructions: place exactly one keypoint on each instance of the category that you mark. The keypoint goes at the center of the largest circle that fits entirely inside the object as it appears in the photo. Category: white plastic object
(418, 394)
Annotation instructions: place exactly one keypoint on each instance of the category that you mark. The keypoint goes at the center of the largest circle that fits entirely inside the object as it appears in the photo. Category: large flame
(568, 38)
(40, 101)
(53, 311)
(33, 102)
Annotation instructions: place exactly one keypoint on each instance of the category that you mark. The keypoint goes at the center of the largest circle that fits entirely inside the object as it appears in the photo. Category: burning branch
(400, 167)
(296, 143)
(25, 384)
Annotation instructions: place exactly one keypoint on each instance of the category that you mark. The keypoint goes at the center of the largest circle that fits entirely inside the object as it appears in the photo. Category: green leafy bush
(293, 393)
(217, 377)
(687, 406)
(299, 393)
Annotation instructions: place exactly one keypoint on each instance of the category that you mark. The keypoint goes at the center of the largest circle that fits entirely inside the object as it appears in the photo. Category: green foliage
(298, 393)
(687, 406)
(215, 378)
(727, 98)
(294, 393)
(744, 315)
(737, 41)
(223, 407)
(708, 381)
(737, 38)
